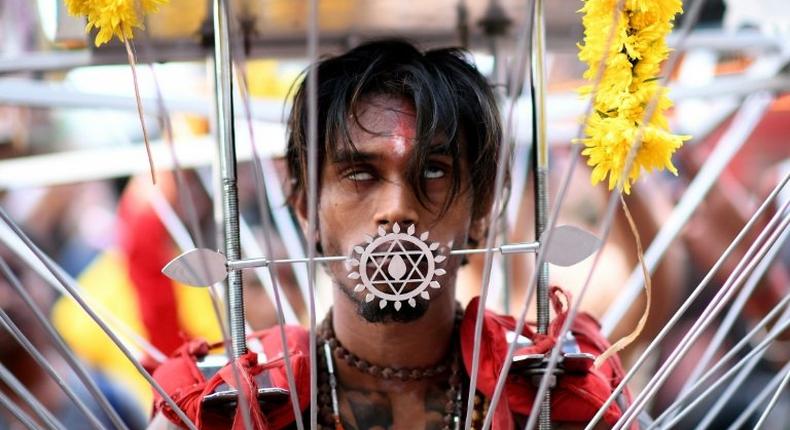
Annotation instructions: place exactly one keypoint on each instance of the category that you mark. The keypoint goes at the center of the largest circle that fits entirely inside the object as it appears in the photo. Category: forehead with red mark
(391, 119)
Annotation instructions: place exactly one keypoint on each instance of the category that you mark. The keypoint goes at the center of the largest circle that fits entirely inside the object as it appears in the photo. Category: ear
(300, 208)
(477, 230)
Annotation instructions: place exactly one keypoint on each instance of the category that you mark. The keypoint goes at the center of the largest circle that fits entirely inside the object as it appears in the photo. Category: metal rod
(262, 192)
(227, 147)
(541, 171)
(312, 197)
(517, 79)
(753, 356)
(576, 155)
(773, 401)
(772, 384)
(57, 273)
(26, 396)
(17, 412)
(18, 247)
(38, 357)
(687, 303)
(730, 143)
(248, 263)
(60, 344)
(732, 314)
(721, 298)
(678, 402)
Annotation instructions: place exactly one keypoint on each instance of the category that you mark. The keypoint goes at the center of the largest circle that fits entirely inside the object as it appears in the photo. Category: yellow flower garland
(112, 17)
(629, 83)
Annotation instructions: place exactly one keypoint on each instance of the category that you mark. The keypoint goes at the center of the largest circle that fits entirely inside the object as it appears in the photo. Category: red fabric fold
(183, 381)
(576, 398)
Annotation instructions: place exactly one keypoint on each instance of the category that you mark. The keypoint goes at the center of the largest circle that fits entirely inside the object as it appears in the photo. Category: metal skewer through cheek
(516, 248)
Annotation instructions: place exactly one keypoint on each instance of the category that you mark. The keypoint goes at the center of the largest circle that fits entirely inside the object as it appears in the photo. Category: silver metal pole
(540, 161)
(227, 160)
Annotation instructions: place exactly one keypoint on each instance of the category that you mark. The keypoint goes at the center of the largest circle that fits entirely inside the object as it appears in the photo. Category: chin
(372, 313)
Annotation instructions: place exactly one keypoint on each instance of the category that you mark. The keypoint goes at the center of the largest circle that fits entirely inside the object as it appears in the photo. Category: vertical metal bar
(541, 156)
(540, 161)
(312, 197)
(227, 147)
(520, 63)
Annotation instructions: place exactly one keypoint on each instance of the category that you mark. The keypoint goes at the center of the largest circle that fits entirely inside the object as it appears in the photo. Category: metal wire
(727, 323)
(521, 70)
(17, 412)
(722, 297)
(680, 400)
(81, 302)
(773, 401)
(687, 303)
(264, 209)
(25, 395)
(75, 364)
(39, 358)
(760, 398)
(312, 197)
(500, 384)
(753, 356)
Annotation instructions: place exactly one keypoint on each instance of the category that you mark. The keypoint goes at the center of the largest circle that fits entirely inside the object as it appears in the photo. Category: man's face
(369, 188)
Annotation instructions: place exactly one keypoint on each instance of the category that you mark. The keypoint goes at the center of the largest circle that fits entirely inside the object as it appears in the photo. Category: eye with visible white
(433, 172)
(359, 175)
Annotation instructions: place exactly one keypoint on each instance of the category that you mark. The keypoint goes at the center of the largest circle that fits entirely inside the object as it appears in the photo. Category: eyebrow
(350, 156)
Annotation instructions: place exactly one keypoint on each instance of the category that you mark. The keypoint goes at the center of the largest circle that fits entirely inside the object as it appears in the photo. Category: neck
(416, 344)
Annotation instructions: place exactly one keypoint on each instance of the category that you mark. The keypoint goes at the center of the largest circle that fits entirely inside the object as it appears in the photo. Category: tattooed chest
(419, 409)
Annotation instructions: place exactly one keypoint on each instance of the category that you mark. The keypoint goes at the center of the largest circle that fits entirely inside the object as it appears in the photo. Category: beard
(372, 313)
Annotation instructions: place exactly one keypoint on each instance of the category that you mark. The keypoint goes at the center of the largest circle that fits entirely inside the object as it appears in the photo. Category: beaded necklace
(329, 412)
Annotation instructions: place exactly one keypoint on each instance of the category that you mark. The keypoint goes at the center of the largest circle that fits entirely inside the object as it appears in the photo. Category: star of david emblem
(396, 267)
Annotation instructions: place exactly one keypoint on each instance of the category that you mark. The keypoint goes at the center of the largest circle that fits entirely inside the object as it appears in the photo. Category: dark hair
(451, 99)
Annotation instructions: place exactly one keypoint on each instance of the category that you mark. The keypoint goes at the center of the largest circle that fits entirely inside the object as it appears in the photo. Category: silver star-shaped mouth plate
(396, 267)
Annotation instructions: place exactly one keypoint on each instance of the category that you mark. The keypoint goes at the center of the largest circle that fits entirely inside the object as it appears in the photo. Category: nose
(396, 203)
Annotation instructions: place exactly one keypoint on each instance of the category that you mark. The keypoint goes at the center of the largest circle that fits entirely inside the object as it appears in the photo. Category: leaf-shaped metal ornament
(198, 267)
(569, 245)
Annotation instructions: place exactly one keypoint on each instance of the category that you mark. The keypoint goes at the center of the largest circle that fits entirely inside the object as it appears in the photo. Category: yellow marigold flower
(628, 85)
(113, 17)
